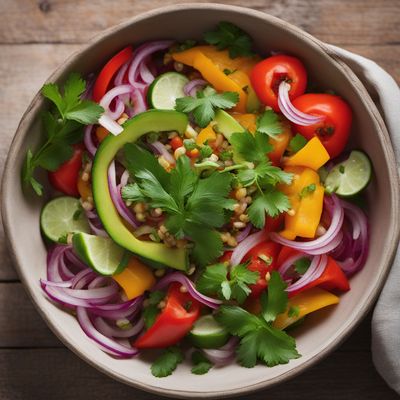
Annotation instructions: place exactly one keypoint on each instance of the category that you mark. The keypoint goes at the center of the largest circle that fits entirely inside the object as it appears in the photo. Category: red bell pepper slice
(174, 322)
(106, 74)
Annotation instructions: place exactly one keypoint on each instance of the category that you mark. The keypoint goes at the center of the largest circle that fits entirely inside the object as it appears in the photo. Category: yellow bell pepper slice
(205, 134)
(312, 155)
(306, 209)
(248, 121)
(135, 279)
(307, 302)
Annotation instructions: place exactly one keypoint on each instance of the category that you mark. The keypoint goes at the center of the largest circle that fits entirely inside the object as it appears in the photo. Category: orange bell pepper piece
(205, 134)
(312, 155)
(84, 188)
(307, 302)
(135, 279)
(306, 208)
(280, 143)
(248, 121)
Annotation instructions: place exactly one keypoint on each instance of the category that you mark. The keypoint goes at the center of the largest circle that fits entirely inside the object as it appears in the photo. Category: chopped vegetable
(166, 364)
(201, 363)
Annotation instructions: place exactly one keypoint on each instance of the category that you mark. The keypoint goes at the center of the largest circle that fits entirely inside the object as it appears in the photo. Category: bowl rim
(37, 103)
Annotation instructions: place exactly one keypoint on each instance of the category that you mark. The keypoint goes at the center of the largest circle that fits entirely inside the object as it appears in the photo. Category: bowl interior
(324, 329)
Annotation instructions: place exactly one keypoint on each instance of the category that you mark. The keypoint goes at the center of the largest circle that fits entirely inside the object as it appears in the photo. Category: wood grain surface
(35, 37)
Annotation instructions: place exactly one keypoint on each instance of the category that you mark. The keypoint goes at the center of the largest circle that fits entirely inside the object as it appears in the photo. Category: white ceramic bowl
(323, 330)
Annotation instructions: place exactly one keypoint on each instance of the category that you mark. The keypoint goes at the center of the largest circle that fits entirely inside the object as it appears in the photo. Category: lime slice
(100, 253)
(61, 216)
(351, 176)
(164, 91)
(207, 333)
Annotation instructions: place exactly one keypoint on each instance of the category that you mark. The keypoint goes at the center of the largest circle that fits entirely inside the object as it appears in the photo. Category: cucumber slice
(351, 176)
(100, 253)
(207, 333)
(61, 216)
(164, 90)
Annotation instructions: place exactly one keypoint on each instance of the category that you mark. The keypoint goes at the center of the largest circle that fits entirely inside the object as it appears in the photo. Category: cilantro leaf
(268, 174)
(63, 127)
(229, 36)
(203, 106)
(276, 301)
(297, 143)
(214, 280)
(132, 193)
(166, 364)
(151, 311)
(301, 266)
(251, 148)
(201, 363)
(269, 124)
(259, 340)
(271, 202)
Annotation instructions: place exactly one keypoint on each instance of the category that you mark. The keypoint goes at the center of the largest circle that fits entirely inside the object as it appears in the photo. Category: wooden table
(35, 37)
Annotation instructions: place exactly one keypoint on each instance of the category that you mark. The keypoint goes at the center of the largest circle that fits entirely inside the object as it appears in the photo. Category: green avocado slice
(149, 121)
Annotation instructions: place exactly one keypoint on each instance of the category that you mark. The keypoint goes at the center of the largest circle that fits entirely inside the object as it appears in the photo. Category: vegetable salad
(204, 201)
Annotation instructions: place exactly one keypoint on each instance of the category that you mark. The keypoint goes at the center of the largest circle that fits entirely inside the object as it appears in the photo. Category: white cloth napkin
(386, 317)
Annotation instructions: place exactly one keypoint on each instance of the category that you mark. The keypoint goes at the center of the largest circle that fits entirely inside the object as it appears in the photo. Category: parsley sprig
(205, 103)
(260, 172)
(63, 125)
(259, 340)
(227, 284)
(194, 206)
(231, 37)
(166, 364)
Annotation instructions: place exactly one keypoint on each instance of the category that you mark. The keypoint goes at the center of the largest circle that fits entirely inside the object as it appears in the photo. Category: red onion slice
(112, 94)
(119, 77)
(139, 102)
(115, 192)
(244, 233)
(162, 150)
(225, 354)
(324, 242)
(105, 342)
(191, 88)
(115, 332)
(246, 245)
(88, 140)
(107, 123)
(83, 278)
(185, 281)
(289, 262)
(315, 270)
(291, 112)
(145, 73)
(141, 54)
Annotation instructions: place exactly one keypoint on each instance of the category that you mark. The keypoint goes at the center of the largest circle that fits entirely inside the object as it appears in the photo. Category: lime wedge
(100, 253)
(61, 216)
(207, 333)
(164, 90)
(351, 176)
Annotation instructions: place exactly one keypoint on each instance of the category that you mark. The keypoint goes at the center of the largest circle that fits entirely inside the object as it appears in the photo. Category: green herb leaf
(132, 193)
(307, 190)
(276, 298)
(251, 148)
(203, 106)
(205, 151)
(151, 311)
(271, 202)
(229, 36)
(269, 124)
(301, 266)
(185, 45)
(201, 363)
(297, 143)
(166, 364)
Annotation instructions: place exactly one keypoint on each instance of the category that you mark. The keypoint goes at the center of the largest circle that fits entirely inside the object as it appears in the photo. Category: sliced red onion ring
(145, 73)
(73, 259)
(124, 178)
(112, 94)
(115, 192)
(185, 281)
(97, 231)
(106, 122)
(328, 240)
(53, 260)
(115, 332)
(246, 245)
(141, 54)
(127, 309)
(119, 78)
(244, 233)
(225, 354)
(291, 112)
(289, 262)
(315, 270)
(162, 150)
(138, 101)
(191, 88)
(66, 284)
(88, 140)
(83, 278)
(98, 282)
(105, 342)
